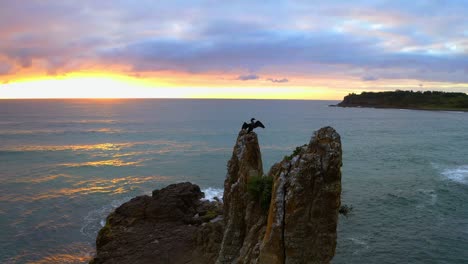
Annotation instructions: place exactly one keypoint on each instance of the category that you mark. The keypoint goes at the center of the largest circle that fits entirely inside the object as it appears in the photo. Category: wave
(96, 219)
(211, 193)
(359, 244)
(63, 122)
(76, 252)
(112, 186)
(104, 163)
(106, 146)
(17, 132)
(458, 174)
(42, 179)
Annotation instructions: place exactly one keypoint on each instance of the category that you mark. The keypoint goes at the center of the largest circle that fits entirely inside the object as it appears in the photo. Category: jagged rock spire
(300, 226)
(175, 226)
(303, 214)
(241, 212)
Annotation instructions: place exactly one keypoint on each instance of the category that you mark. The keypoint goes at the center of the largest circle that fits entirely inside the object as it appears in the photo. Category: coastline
(406, 108)
(427, 100)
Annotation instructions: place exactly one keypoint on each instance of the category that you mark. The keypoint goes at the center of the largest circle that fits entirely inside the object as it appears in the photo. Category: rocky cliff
(287, 216)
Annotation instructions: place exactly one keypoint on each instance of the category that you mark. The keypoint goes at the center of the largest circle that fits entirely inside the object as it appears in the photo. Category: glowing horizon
(109, 88)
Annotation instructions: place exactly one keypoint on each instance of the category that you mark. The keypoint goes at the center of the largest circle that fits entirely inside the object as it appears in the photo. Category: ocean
(65, 164)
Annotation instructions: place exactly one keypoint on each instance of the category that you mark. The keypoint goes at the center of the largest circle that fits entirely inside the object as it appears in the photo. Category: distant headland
(428, 100)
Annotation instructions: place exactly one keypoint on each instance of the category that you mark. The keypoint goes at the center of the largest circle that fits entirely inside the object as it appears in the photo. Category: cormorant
(252, 125)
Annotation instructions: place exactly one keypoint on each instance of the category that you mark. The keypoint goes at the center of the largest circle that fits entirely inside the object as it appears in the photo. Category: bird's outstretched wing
(245, 125)
(259, 124)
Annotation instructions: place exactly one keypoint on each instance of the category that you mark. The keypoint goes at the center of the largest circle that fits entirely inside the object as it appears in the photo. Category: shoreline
(405, 108)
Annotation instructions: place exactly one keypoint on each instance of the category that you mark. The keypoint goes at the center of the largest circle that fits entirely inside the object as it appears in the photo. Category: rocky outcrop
(157, 229)
(303, 214)
(242, 213)
(297, 225)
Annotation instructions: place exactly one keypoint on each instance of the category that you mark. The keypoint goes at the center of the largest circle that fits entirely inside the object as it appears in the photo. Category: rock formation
(157, 229)
(242, 214)
(298, 224)
(305, 201)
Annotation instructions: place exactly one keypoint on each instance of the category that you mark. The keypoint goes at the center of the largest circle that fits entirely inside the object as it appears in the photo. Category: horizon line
(170, 98)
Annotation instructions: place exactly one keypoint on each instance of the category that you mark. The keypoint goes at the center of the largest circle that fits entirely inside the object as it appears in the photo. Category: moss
(106, 231)
(259, 187)
(210, 214)
(296, 152)
(105, 234)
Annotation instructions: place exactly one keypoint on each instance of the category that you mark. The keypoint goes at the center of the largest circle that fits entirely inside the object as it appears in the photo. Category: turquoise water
(65, 164)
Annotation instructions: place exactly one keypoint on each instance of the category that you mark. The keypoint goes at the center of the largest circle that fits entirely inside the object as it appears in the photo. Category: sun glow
(77, 87)
(116, 86)
(212, 86)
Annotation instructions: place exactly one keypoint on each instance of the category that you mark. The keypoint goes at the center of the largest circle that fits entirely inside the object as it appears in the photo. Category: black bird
(252, 125)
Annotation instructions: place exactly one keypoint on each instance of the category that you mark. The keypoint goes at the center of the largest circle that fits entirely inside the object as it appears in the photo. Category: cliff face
(298, 226)
(243, 215)
(304, 208)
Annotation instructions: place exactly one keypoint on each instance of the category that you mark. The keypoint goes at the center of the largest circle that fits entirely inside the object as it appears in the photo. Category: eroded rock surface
(243, 216)
(175, 226)
(157, 229)
(303, 213)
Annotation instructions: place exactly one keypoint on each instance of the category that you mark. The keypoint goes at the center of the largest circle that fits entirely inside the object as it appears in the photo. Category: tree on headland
(435, 100)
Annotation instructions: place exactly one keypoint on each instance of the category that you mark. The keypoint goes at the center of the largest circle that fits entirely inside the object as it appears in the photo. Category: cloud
(248, 77)
(5, 68)
(283, 80)
(362, 39)
(305, 53)
(368, 78)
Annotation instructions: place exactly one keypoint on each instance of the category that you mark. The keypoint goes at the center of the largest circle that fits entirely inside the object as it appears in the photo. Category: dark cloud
(248, 77)
(307, 53)
(283, 80)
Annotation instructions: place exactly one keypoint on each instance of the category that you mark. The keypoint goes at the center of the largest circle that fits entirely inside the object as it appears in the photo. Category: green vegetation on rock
(210, 214)
(428, 100)
(295, 152)
(259, 187)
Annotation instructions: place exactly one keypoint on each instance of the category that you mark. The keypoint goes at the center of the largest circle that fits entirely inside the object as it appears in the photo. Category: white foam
(96, 219)
(458, 174)
(211, 193)
(360, 245)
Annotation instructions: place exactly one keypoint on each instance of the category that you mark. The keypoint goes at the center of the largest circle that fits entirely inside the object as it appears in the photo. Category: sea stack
(303, 214)
(243, 216)
(294, 219)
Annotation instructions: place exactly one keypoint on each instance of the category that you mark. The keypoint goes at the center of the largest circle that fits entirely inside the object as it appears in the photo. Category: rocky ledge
(289, 215)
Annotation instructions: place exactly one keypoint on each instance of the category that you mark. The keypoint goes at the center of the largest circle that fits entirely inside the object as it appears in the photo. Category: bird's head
(252, 119)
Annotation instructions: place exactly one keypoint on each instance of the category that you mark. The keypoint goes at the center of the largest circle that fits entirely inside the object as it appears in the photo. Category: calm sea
(65, 164)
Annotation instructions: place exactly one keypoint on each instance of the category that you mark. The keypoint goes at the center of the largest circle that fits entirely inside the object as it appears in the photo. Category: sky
(303, 49)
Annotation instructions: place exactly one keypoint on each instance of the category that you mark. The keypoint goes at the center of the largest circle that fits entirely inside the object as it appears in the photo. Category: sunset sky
(230, 49)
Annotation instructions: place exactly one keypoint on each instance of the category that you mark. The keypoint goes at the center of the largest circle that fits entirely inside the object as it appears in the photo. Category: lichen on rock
(303, 215)
(297, 225)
